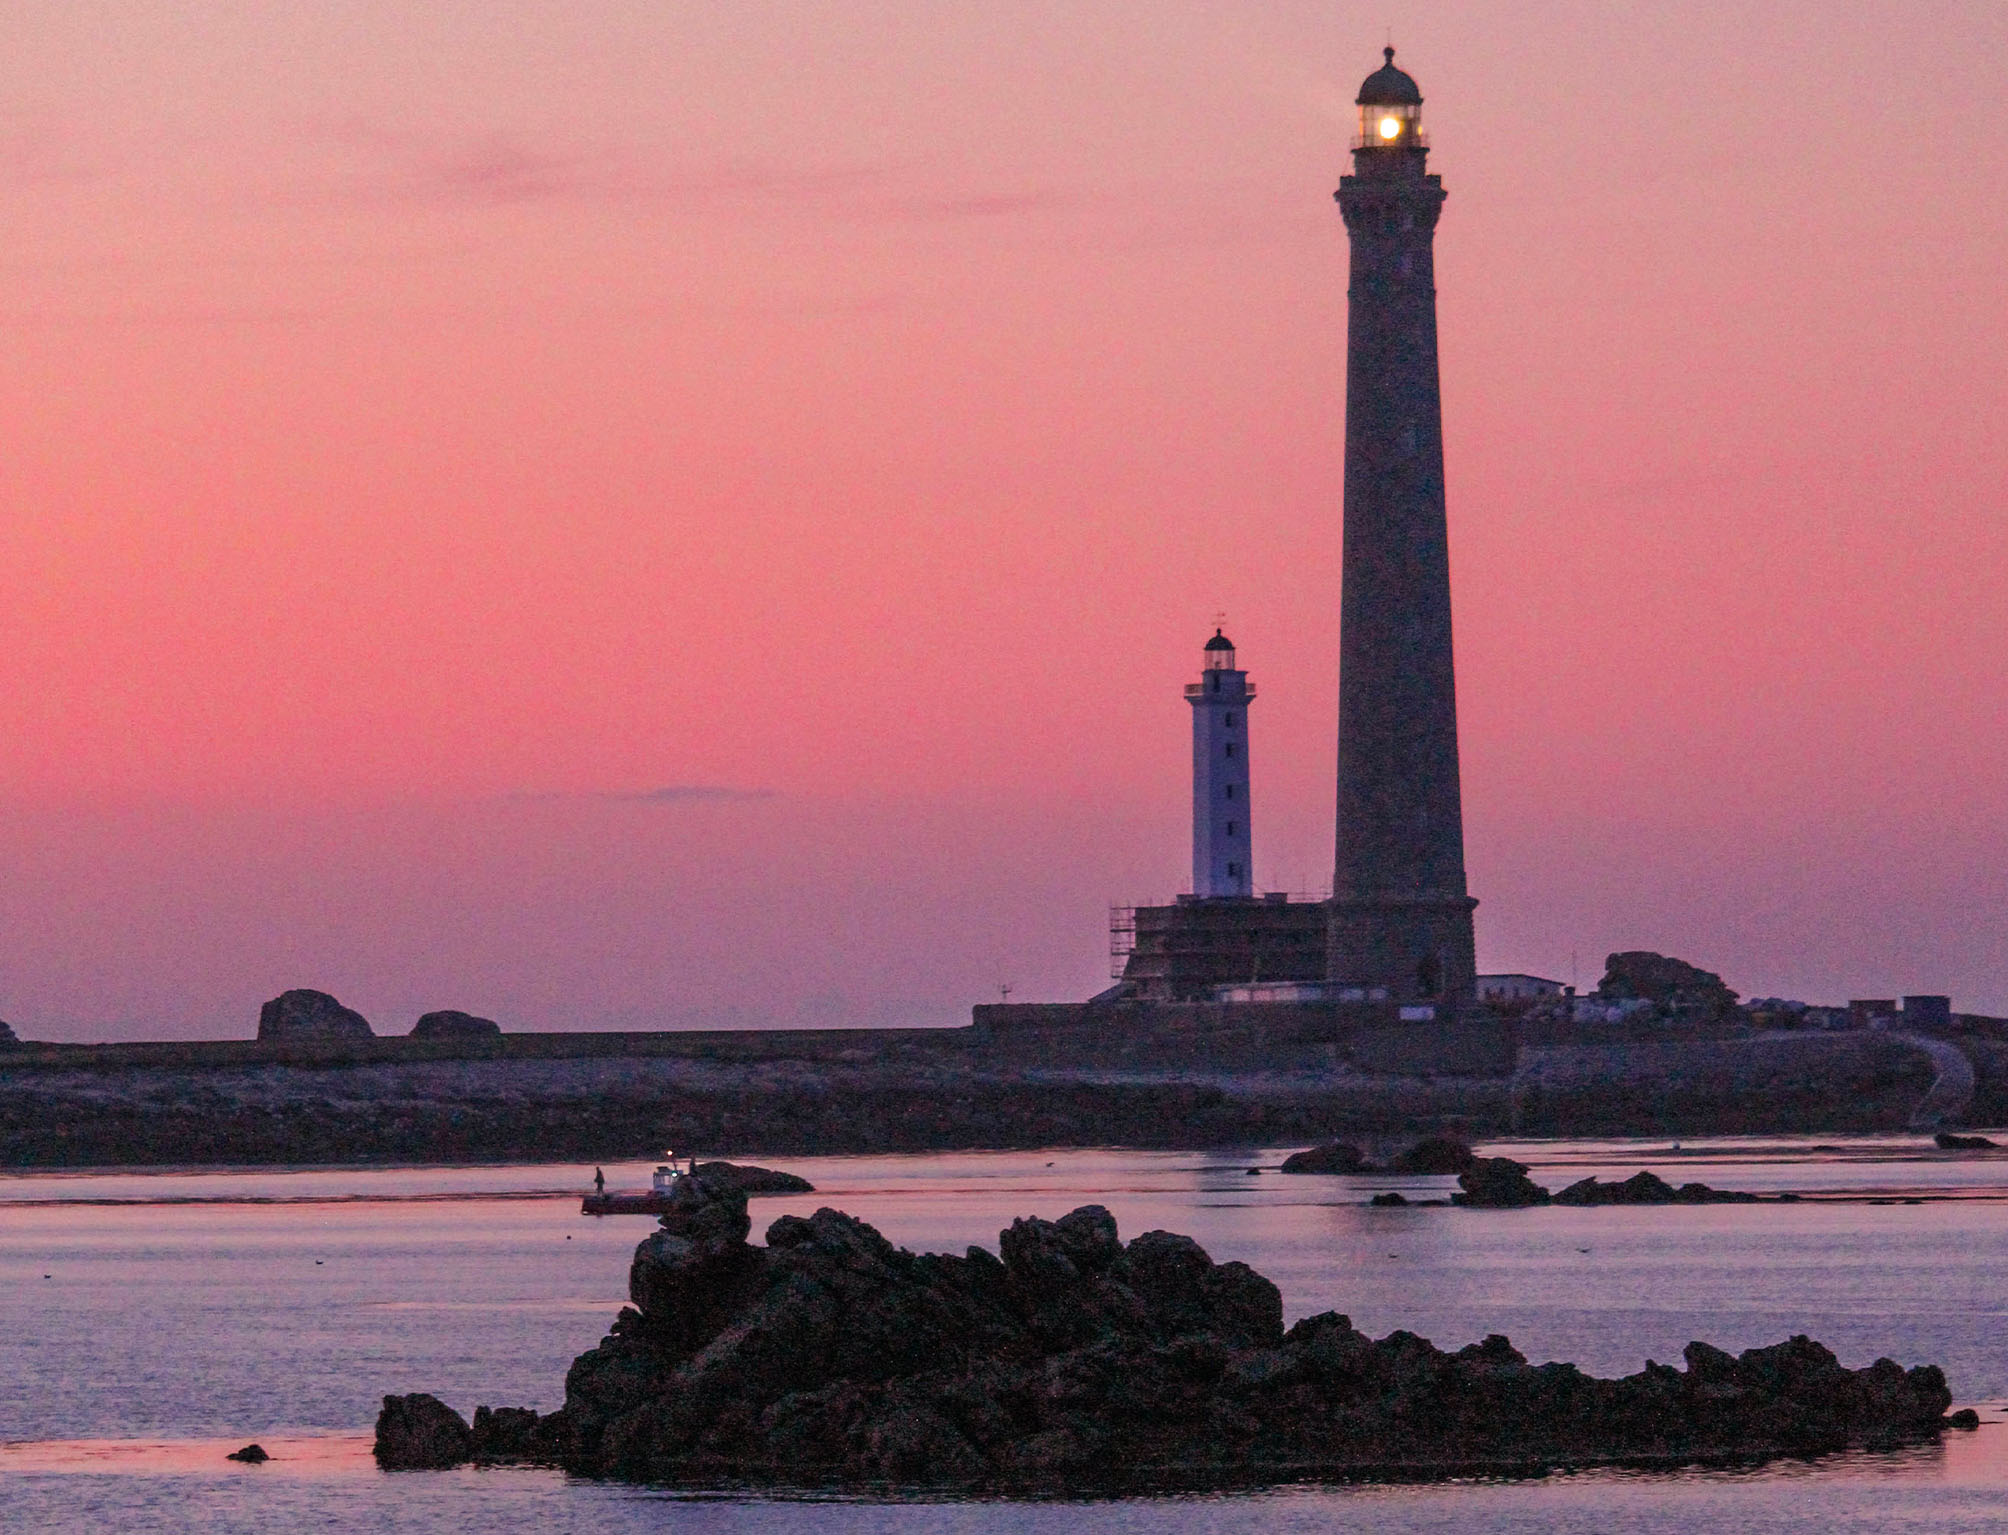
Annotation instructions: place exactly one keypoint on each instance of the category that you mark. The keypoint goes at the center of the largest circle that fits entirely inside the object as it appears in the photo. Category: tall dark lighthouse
(1400, 917)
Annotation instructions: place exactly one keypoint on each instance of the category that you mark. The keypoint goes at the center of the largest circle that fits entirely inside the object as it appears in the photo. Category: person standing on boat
(600, 1181)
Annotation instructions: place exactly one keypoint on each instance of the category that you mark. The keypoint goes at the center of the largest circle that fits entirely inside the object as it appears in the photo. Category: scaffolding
(1122, 939)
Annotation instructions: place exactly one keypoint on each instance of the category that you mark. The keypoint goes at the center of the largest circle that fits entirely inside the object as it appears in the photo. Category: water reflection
(174, 1330)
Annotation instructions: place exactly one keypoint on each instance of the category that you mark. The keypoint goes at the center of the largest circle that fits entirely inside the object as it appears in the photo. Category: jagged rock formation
(1644, 1188)
(303, 1014)
(7, 1036)
(1671, 983)
(830, 1358)
(449, 1024)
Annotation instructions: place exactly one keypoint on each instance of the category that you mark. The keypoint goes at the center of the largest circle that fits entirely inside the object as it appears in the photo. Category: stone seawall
(1731, 1085)
(1214, 1078)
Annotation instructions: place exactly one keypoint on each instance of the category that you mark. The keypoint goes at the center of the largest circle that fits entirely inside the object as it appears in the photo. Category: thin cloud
(687, 793)
(977, 206)
(363, 162)
(667, 794)
(392, 166)
(500, 170)
(372, 163)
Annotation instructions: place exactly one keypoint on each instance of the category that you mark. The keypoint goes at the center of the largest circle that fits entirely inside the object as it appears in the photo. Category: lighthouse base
(1420, 951)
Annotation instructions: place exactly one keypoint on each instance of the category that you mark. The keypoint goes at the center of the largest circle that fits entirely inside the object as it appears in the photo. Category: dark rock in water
(421, 1433)
(1966, 1418)
(310, 1015)
(1643, 1188)
(1335, 1158)
(448, 1024)
(1950, 1142)
(1498, 1183)
(755, 1180)
(1702, 1194)
(251, 1455)
(831, 1358)
(505, 1433)
(1438, 1154)
(1390, 1200)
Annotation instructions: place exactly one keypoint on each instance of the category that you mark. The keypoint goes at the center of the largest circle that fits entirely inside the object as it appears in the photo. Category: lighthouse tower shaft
(1222, 834)
(1400, 915)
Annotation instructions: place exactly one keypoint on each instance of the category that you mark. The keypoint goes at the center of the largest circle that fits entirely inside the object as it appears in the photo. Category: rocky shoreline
(1076, 1362)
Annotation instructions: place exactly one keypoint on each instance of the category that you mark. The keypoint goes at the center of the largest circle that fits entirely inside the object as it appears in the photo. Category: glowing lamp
(1390, 110)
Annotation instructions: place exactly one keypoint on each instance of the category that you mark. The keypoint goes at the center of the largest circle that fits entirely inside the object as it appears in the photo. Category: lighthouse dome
(1219, 642)
(1389, 87)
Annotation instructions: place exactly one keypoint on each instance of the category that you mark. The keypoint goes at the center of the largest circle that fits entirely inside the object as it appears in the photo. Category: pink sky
(432, 428)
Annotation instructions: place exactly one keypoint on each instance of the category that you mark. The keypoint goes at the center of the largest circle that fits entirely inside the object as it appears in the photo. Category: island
(1072, 1360)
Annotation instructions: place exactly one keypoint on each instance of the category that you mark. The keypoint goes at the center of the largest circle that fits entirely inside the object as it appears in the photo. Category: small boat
(655, 1201)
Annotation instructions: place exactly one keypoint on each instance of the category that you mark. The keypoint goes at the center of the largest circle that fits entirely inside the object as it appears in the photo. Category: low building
(1872, 1012)
(1518, 988)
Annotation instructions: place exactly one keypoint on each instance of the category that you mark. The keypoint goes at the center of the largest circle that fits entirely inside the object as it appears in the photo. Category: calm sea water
(151, 1322)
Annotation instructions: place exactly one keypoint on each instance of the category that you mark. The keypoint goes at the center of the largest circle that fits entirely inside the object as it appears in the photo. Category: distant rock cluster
(302, 1014)
(1074, 1361)
(1500, 1183)
(1439, 1154)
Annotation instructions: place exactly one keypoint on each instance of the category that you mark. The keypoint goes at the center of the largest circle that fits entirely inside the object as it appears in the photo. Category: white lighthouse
(1222, 842)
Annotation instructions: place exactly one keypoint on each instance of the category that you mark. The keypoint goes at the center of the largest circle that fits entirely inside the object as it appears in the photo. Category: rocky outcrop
(1639, 974)
(1073, 1360)
(449, 1024)
(7, 1036)
(250, 1455)
(754, 1180)
(1644, 1188)
(1946, 1141)
(1338, 1157)
(1438, 1154)
(1498, 1183)
(310, 1015)
(421, 1433)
